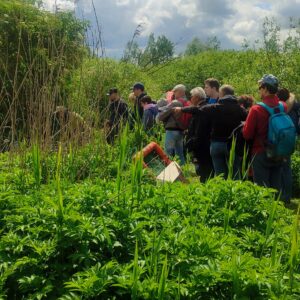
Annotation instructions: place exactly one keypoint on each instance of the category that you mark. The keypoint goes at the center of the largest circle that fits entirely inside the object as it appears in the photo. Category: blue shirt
(212, 101)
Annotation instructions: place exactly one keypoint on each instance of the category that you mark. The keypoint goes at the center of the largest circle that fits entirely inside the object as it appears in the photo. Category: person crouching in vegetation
(118, 115)
(149, 115)
(198, 134)
(246, 101)
(175, 125)
(69, 126)
(225, 116)
(266, 170)
(293, 110)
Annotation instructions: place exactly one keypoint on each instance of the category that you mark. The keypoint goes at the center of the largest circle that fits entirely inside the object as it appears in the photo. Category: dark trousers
(286, 180)
(204, 168)
(220, 155)
(267, 172)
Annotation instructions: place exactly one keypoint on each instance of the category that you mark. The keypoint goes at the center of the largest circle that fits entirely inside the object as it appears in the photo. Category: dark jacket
(118, 113)
(224, 116)
(198, 134)
(138, 109)
(293, 108)
(118, 110)
(170, 120)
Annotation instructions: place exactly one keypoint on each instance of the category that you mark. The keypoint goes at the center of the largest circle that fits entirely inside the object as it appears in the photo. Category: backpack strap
(271, 110)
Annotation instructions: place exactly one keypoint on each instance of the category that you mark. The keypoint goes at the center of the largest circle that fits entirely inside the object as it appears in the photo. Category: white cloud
(180, 20)
(61, 4)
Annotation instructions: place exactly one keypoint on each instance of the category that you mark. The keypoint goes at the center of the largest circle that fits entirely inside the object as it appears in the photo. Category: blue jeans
(174, 144)
(220, 154)
(267, 172)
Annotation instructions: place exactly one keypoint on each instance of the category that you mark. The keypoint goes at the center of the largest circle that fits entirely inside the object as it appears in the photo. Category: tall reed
(231, 161)
(136, 178)
(135, 275)
(294, 250)
(123, 145)
(36, 163)
(60, 211)
(163, 280)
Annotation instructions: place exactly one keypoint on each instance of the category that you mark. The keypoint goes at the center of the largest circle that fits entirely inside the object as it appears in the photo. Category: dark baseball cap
(138, 86)
(269, 79)
(112, 91)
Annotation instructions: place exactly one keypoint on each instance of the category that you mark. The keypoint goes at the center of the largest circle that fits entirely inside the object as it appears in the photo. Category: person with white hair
(175, 125)
(198, 134)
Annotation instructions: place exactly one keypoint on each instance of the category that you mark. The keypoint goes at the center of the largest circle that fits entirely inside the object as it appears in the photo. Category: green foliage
(38, 51)
(296, 174)
(197, 46)
(172, 244)
(157, 51)
(242, 69)
(89, 85)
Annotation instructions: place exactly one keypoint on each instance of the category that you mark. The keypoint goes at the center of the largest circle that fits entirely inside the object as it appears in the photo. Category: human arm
(250, 125)
(190, 109)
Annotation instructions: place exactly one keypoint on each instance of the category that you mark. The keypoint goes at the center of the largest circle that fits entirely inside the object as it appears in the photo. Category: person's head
(146, 100)
(246, 101)
(179, 91)
(226, 90)
(197, 95)
(161, 103)
(283, 94)
(138, 89)
(113, 94)
(131, 97)
(211, 87)
(268, 85)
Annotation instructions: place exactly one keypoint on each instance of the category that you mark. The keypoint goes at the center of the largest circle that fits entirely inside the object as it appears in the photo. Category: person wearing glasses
(266, 171)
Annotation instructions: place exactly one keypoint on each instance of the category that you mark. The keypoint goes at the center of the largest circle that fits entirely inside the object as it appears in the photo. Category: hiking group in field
(208, 122)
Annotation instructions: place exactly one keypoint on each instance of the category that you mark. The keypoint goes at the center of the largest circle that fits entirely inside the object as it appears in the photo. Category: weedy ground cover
(125, 237)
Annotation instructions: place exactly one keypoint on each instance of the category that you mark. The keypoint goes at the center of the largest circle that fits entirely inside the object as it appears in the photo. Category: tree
(194, 47)
(197, 45)
(132, 53)
(157, 51)
(38, 51)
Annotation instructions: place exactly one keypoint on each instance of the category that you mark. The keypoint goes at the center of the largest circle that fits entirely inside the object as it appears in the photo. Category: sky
(231, 21)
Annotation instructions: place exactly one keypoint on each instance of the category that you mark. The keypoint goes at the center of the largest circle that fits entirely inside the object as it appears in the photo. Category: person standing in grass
(211, 87)
(293, 110)
(149, 115)
(266, 171)
(246, 101)
(175, 125)
(198, 134)
(225, 116)
(118, 114)
(138, 90)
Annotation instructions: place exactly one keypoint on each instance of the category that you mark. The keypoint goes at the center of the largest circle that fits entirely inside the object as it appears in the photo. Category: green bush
(88, 240)
(296, 174)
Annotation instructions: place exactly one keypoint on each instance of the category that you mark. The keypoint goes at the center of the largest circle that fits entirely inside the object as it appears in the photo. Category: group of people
(207, 122)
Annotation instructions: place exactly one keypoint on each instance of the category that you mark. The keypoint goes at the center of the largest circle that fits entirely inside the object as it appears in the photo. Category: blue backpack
(281, 133)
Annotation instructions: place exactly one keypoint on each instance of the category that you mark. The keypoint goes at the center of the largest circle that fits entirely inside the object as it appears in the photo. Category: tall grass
(36, 162)
(163, 280)
(60, 211)
(123, 148)
(231, 160)
(136, 178)
(135, 275)
(294, 249)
